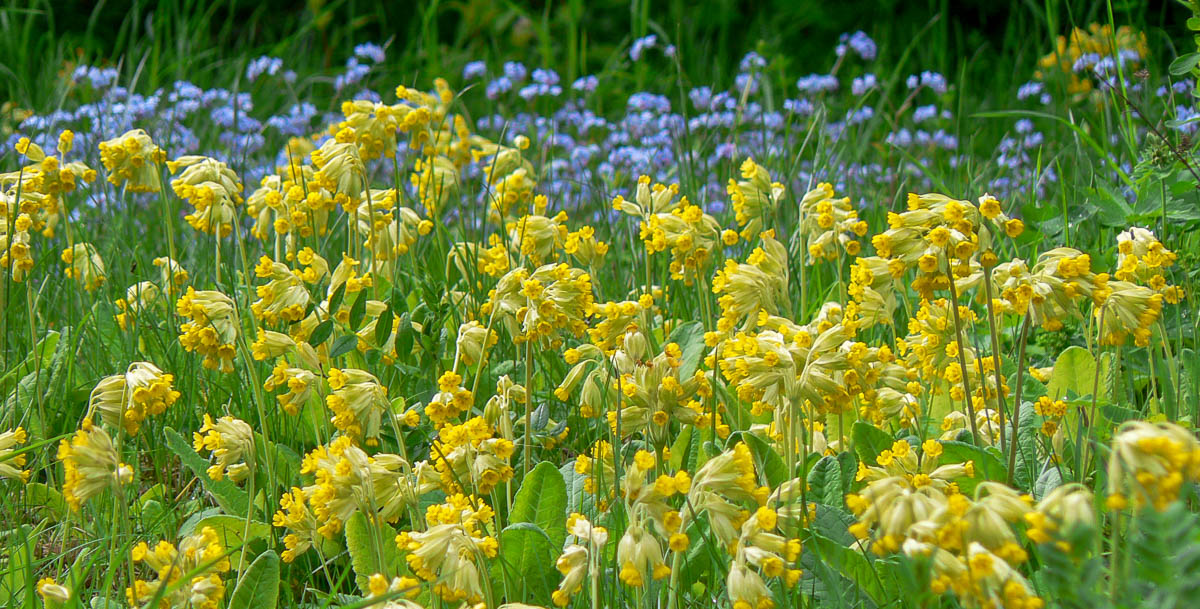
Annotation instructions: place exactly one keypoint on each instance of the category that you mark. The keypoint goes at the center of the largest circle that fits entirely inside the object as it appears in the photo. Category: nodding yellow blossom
(1052, 291)
(14, 241)
(126, 400)
(585, 248)
(448, 552)
(340, 168)
(358, 403)
(379, 586)
(212, 188)
(640, 555)
(296, 516)
(830, 226)
(201, 558)
(231, 443)
(754, 197)
(52, 593)
(10, 464)
(172, 274)
(132, 160)
(1142, 258)
(348, 481)
(139, 298)
(91, 464)
(436, 180)
(1150, 464)
(1065, 514)
(539, 306)
(284, 297)
(84, 265)
(510, 180)
(301, 385)
(538, 238)
(759, 284)
(688, 233)
(473, 341)
(470, 459)
(580, 559)
(1130, 310)
(212, 327)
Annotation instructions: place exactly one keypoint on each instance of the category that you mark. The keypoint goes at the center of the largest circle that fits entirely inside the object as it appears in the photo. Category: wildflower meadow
(599, 316)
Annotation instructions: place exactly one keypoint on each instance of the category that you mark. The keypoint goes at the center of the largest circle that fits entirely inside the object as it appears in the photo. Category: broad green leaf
(343, 345)
(542, 500)
(368, 543)
(228, 495)
(578, 500)
(825, 482)
(321, 333)
(383, 326)
(769, 463)
(987, 465)
(50, 499)
(1074, 370)
(526, 563)
(232, 530)
(259, 585)
(1050, 479)
(851, 563)
(1184, 63)
(869, 441)
(690, 338)
(358, 310)
(849, 466)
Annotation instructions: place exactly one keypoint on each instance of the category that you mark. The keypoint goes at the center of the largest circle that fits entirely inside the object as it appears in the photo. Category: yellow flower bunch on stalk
(126, 400)
(201, 558)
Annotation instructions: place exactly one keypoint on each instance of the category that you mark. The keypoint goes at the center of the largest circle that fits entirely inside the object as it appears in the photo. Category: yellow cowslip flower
(300, 383)
(1150, 463)
(585, 248)
(84, 265)
(284, 297)
(126, 400)
(347, 481)
(578, 559)
(469, 455)
(1143, 259)
(538, 238)
(171, 273)
(10, 465)
(436, 180)
(231, 443)
(1129, 309)
(640, 555)
(200, 557)
(212, 329)
(509, 177)
(132, 160)
(358, 403)
(473, 341)
(53, 594)
(754, 197)
(91, 464)
(448, 553)
(297, 518)
(212, 188)
(139, 298)
(829, 225)
(539, 306)
(340, 168)
(14, 243)
(756, 285)
(374, 125)
(688, 233)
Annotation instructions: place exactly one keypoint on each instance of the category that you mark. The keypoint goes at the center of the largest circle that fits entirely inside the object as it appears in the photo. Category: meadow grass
(842, 468)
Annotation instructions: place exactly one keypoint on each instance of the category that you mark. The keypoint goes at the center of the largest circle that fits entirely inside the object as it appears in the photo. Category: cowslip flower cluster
(212, 327)
(126, 400)
(200, 557)
(90, 464)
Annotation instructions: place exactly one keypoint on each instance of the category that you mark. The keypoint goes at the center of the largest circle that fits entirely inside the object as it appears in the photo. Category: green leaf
(542, 500)
(228, 495)
(259, 586)
(825, 482)
(335, 301)
(869, 441)
(367, 545)
(41, 496)
(526, 562)
(383, 326)
(769, 463)
(578, 500)
(358, 310)
(343, 345)
(1050, 479)
(987, 465)
(1074, 370)
(232, 530)
(321, 333)
(1184, 64)
(690, 338)
(850, 563)
(849, 466)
